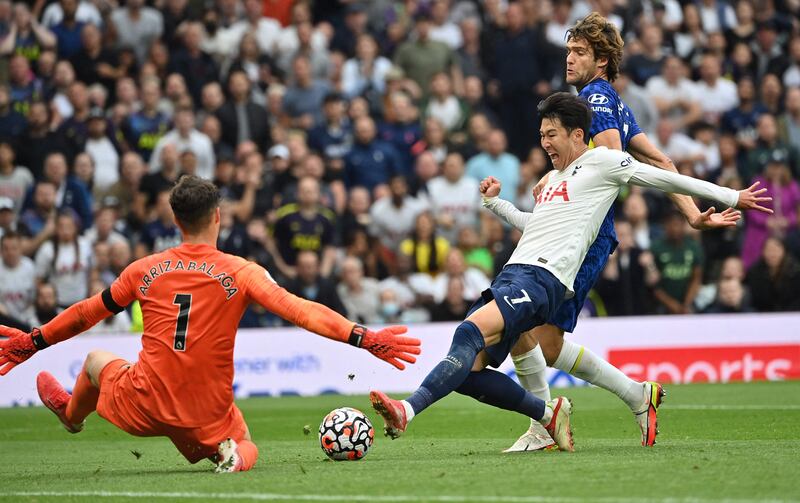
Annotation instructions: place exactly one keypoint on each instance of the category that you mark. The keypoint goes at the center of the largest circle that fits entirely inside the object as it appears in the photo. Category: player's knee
(551, 347)
(526, 342)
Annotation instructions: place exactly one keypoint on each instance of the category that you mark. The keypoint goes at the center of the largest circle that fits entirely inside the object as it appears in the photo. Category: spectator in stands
(679, 260)
(72, 132)
(741, 63)
(333, 139)
(233, 236)
(305, 225)
(791, 75)
(444, 105)
(65, 260)
(319, 59)
(455, 266)
(455, 200)
(360, 295)
(25, 86)
(731, 298)
(789, 122)
(371, 161)
(185, 137)
(195, 66)
(160, 233)
(94, 63)
(768, 146)
(771, 94)
(426, 249)
(673, 94)
(648, 63)
(774, 278)
(391, 311)
(303, 100)
(421, 58)
(638, 101)
(365, 72)
(356, 216)
(12, 123)
(143, 129)
(469, 53)
(15, 181)
(495, 161)
(137, 27)
(70, 192)
(103, 230)
(403, 131)
(45, 307)
(265, 29)
(126, 191)
(785, 192)
(676, 145)
(103, 150)
(26, 36)
(38, 222)
(68, 28)
(741, 121)
(18, 287)
(476, 102)
(767, 50)
(310, 284)
(630, 273)
(242, 119)
(393, 217)
(411, 288)
(715, 94)
(519, 87)
(716, 15)
(453, 307)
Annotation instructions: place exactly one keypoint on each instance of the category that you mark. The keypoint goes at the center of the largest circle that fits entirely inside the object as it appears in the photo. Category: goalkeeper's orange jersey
(192, 299)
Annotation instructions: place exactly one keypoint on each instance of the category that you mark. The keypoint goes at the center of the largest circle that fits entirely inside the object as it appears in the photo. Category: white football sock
(581, 362)
(409, 411)
(531, 367)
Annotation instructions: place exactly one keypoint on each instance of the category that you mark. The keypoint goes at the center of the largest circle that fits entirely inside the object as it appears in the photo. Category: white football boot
(535, 439)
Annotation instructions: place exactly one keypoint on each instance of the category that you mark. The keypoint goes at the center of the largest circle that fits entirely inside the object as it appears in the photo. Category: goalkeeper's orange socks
(84, 399)
(248, 453)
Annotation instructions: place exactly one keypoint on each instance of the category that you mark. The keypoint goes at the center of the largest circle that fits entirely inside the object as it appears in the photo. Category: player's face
(582, 67)
(556, 143)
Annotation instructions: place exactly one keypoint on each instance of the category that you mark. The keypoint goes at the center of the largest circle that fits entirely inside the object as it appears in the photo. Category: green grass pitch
(732, 442)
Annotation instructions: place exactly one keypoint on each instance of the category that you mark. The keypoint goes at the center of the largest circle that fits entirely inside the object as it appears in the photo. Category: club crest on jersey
(553, 191)
(597, 99)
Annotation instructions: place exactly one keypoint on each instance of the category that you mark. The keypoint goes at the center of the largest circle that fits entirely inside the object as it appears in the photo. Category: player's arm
(387, 344)
(645, 175)
(490, 189)
(643, 150)
(76, 319)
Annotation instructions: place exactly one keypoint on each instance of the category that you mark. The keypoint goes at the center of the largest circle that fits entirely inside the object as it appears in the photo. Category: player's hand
(490, 187)
(750, 198)
(388, 345)
(710, 219)
(16, 349)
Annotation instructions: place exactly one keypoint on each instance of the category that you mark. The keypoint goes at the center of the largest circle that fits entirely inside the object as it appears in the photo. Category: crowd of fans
(348, 138)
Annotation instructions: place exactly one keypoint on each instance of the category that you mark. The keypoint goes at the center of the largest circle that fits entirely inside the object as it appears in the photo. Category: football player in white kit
(540, 273)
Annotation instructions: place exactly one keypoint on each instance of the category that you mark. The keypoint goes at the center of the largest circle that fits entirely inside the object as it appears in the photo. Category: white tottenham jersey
(569, 211)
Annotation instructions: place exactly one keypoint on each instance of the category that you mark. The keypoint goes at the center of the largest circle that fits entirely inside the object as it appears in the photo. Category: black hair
(193, 201)
(571, 111)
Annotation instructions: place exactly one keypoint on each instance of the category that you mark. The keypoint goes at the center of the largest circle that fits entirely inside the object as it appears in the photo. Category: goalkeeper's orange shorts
(122, 410)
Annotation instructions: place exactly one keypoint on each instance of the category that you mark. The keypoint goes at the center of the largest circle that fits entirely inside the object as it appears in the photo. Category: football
(346, 434)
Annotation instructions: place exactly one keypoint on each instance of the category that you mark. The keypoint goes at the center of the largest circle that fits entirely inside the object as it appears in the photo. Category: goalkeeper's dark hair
(571, 111)
(193, 201)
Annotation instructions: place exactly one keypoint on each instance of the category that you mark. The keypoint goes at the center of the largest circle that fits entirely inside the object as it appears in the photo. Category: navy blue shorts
(566, 317)
(527, 296)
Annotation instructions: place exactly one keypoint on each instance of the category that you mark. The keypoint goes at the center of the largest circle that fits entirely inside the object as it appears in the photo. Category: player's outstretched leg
(235, 456)
(530, 366)
(445, 377)
(642, 398)
(56, 398)
(497, 389)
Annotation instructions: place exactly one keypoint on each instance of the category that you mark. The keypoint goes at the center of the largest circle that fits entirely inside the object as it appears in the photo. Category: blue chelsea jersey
(609, 111)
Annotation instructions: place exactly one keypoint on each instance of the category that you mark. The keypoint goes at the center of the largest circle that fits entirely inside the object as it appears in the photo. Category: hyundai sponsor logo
(598, 99)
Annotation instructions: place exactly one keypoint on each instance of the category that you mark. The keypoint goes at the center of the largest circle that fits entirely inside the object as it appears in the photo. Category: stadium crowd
(348, 138)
